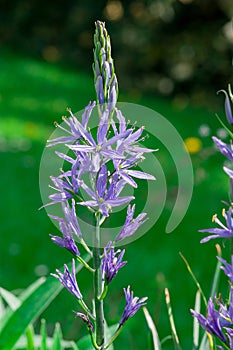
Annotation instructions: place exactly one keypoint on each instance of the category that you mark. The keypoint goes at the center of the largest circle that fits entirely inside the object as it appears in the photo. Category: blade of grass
(43, 334)
(217, 272)
(194, 278)
(171, 319)
(30, 338)
(57, 338)
(151, 325)
(196, 326)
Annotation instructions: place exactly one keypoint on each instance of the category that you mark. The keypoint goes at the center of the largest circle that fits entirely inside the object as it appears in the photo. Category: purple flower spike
(226, 231)
(211, 323)
(227, 268)
(227, 107)
(133, 304)
(112, 263)
(131, 224)
(69, 280)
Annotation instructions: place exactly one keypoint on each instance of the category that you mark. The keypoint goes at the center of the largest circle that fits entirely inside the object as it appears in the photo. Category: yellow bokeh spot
(114, 10)
(193, 144)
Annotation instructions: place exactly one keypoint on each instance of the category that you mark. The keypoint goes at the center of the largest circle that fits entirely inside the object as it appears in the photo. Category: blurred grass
(32, 96)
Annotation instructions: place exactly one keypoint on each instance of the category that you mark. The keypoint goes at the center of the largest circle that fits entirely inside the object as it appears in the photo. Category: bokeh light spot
(193, 144)
(114, 10)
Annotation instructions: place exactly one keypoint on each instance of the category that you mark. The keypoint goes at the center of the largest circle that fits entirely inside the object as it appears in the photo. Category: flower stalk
(97, 283)
(106, 158)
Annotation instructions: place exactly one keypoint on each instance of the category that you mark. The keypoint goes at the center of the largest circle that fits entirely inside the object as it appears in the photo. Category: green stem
(115, 335)
(85, 264)
(99, 309)
(86, 309)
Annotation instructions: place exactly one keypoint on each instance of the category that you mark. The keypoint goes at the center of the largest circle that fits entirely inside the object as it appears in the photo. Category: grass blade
(57, 338)
(151, 325)
(171, 319)
(43, 334)
(196, 326)
(194, 278)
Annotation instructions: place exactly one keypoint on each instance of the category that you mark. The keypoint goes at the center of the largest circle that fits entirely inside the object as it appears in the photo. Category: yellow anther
(214, 217)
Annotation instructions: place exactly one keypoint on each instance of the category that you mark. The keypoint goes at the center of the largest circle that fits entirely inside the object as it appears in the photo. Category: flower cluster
(219, 319)
(100, 166)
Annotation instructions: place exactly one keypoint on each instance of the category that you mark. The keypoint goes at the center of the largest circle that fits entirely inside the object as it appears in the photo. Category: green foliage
(181, 47)
(21, 311)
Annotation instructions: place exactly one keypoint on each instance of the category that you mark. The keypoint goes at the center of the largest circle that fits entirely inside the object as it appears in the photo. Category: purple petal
(140, 175)
(227, 107)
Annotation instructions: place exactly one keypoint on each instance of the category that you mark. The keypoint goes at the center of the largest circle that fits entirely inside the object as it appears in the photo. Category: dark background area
(170, 47)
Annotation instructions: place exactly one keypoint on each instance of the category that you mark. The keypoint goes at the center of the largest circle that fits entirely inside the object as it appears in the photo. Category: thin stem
(115, 335)
(99, 309)
(85, 264)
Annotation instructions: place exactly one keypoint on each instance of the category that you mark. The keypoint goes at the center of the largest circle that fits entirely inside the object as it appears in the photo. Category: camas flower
(68, 227)
(73, 131)
(131, 224)
(226, 231)
(211, 323)
(64, 190)
(112, 262)
(122, 168)
(69, 280)
(100, 151)
(104, 198)
(133, 304)
(226, 150)
(227, 268)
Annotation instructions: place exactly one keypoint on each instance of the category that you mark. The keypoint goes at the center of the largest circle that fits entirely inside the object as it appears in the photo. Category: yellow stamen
(214, 217)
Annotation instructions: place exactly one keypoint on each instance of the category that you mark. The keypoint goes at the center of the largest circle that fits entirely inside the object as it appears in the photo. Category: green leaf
(10, 299)
(9, 312)
(43, 334)
(57, 338)
(30, 338)
(85, 343)
(34, 302)
(22, 343)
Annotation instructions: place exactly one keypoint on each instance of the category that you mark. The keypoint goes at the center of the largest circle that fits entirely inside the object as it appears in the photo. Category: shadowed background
(171, 56)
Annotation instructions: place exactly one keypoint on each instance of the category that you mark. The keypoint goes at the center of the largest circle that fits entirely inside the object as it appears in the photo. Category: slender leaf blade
(151, 325)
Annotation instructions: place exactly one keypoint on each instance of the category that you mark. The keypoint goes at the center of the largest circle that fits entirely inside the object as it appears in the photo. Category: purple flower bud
(86, 319)
(69, 280)
(131, 224)
(133, 304)
(112, 263)
(226, 150)
(227, 107)
(227, 268)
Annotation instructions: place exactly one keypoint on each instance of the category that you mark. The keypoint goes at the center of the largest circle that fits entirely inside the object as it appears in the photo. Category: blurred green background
(171, 56)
